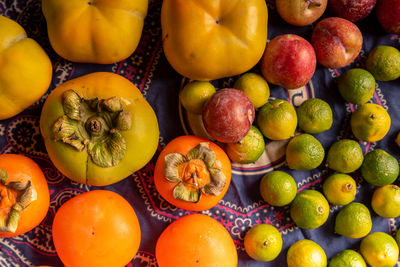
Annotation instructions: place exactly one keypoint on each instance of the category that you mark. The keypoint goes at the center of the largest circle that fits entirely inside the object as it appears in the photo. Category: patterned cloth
(242, 207)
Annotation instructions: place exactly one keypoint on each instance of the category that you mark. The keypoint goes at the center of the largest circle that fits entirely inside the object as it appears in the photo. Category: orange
(196, 240)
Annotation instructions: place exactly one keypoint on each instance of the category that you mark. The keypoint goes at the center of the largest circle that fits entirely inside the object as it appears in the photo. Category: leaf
(172, 163)
(217, 182)
(203, 152)
(181, 192)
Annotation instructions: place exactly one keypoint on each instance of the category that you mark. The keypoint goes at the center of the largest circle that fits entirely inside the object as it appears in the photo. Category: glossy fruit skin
(386, 201)
(196, 240)
(25, 69)
(263, 242)
(289, 61)
(96, 228)
(104, 26)
(379, 249)
(141, 139)
(208, 40)
(353, 10)
(306, 253)
(228, 115)
(388, 14)
(301, 12)
(23, 169)
(336, 41)
(183, 144)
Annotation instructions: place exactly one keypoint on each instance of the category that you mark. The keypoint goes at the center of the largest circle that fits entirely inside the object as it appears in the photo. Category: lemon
(195, 94)
(306, 253)
(345, 156)
(304, 152)
(386, 201)
(353, 221)
(384, 63)
(278, 188)
(314, 116)
(255, 87)
(249, 149)
(370, 122)
(379, 250)
(356, 86)
(339, 189)
(347, 258)
(263, 242)
(309, 209)
(277, 119)
(379, 168)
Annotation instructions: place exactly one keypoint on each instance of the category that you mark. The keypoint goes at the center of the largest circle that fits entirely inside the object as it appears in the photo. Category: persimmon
(96, 228)
(196, 240)
(192, 173)
(24, 195)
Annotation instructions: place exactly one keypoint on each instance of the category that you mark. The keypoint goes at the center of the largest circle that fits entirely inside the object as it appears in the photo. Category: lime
(347, 258)
(384, 63)
(277, 119)
(304, 152)
(195, 94)
(379, 249)
(379, 168)
(278, 188)
(309, 209)
(353, 221)
(370, 122)
(345, 156)
(249, 149)
(356, 86)
(386, 201)
(263, 242)
(314, 116)
(306, 253)
(255, 87)
(339, 189)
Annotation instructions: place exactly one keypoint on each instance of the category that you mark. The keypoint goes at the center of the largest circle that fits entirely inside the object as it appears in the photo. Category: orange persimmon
(192, 173)
(24, 195)
(96, 228)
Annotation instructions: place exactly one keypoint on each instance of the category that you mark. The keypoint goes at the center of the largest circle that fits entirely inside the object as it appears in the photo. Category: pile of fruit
(98, 129)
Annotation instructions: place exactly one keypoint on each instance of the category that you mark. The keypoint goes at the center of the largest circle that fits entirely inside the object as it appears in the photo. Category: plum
(228, 115)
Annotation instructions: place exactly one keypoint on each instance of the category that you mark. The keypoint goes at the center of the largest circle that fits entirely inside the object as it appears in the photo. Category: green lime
(195, 94)
(384, 63)
(278, 188)
(370, 122)
(345, 156)
(339, 189)
(304, 152)
(379, 249)
(379, 168)
(356, 86)
(277, 119)
(314, 116)
(309, 209)
(353, 221)
(347, 258)
(249, 149)
(263, 242)
(386, 201)
(306, 253)
(255, 87)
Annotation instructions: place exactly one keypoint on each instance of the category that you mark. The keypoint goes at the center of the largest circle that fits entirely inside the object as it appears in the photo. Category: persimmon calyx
(14, 197)
(195, 174)
(94, 125)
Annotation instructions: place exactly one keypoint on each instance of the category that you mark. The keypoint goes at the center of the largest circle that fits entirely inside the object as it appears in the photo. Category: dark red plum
(228, 115)
(353, 10)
